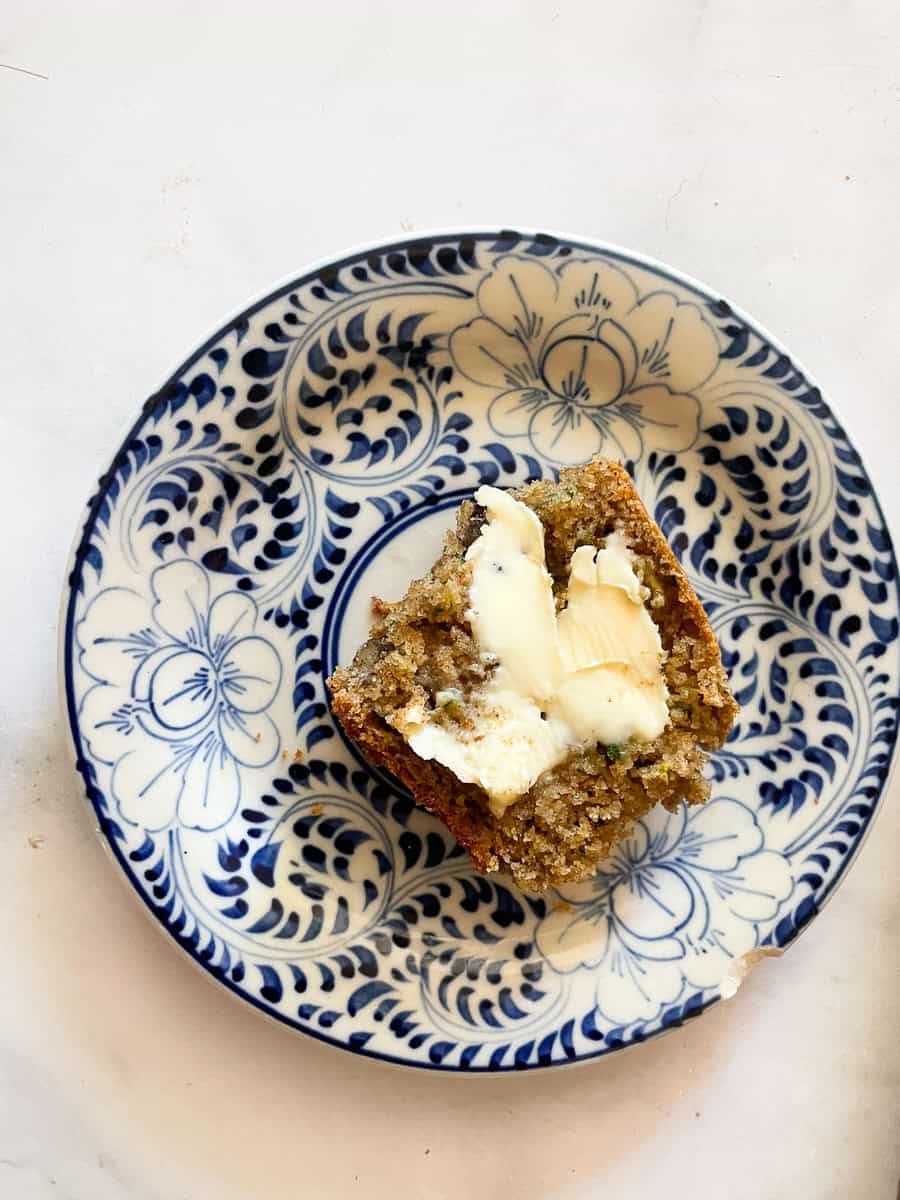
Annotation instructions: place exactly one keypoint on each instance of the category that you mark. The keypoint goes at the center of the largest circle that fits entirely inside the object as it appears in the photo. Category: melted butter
(592, 673)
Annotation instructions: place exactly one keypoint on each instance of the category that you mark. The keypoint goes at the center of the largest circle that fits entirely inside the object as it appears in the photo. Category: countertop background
(160, 164)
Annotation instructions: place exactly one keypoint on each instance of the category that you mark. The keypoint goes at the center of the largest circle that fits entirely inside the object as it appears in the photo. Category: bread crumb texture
(573, 815)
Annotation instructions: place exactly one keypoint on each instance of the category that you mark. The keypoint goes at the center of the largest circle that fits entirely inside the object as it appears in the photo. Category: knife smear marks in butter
(563, 681)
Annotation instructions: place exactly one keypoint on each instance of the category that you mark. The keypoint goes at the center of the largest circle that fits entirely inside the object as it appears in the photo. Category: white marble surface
(166, 162)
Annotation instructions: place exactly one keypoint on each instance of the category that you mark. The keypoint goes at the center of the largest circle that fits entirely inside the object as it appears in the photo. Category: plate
(309, 456)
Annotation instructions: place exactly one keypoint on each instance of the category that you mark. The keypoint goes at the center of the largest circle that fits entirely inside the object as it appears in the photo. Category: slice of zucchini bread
(550, 680)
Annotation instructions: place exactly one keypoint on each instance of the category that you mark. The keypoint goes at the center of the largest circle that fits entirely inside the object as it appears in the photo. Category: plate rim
(87, 518)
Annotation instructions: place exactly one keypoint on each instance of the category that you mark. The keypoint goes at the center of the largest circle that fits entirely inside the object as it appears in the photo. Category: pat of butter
(592, 673)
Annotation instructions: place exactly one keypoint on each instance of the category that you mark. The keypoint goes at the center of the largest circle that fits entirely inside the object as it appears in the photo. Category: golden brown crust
(573, 815)
(459, 805)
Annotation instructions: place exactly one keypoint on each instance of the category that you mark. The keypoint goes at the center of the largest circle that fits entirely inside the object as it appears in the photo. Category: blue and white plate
(309, 456)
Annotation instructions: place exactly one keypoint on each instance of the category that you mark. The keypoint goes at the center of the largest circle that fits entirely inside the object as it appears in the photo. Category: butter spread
(592, 673)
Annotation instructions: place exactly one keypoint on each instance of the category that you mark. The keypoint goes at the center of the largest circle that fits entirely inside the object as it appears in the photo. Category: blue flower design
(580, 362)
(675, 903)
(181, 694)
